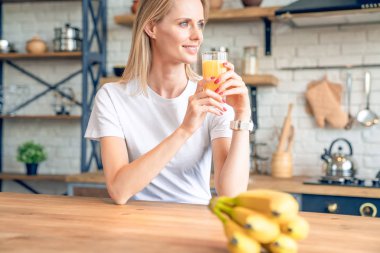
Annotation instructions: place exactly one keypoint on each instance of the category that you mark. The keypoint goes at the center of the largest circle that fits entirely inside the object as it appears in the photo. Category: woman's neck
(167, 80)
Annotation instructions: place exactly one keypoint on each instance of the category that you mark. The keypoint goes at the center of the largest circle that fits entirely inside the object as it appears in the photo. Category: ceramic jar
(247, 3)
(216, 4)
(36, 45)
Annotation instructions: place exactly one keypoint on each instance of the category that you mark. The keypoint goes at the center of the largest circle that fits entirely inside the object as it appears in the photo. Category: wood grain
(44, 223)
(241, 14)
(47, 55)
(293, 185)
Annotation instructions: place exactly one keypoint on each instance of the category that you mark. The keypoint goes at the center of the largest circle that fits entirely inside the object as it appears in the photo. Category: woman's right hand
(202, 102)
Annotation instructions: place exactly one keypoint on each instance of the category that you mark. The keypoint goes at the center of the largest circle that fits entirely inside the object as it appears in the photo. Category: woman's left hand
(234, 90)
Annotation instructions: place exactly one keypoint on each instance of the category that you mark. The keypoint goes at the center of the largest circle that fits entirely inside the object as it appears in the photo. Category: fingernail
(217, 90)
(224, 63)
(212, 78)
(224, 109)
(224, 100)
(216, 81)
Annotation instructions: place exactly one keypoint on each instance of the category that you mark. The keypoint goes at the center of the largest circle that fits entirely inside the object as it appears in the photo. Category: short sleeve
(104, 120)
(220, 125)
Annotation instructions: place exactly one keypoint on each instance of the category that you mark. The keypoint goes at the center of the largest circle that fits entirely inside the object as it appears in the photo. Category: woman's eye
(201, 25)
(184, 24)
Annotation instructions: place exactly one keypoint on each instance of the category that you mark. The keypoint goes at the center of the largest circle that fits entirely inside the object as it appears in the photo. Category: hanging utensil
(367, 117)
(351, 118)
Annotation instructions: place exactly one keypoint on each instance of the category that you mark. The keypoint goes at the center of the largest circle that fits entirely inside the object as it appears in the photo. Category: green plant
(31, 152)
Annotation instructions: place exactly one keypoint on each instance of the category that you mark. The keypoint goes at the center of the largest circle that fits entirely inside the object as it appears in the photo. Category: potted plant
(31, 154)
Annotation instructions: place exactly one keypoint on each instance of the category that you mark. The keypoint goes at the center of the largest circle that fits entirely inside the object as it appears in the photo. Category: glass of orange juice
(212, 66)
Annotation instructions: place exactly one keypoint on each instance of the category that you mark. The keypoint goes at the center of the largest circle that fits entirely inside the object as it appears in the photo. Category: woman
(159, 129)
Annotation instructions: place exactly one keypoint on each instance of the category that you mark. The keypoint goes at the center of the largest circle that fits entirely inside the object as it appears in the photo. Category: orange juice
(212, 68)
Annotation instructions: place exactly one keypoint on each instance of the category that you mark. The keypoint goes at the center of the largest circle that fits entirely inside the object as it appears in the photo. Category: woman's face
(178, 36)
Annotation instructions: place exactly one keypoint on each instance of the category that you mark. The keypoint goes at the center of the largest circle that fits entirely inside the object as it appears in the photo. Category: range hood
(307, 6)
(306, 12)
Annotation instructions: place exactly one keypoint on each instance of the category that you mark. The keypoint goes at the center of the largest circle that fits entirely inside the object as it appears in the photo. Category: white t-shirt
(144, 121)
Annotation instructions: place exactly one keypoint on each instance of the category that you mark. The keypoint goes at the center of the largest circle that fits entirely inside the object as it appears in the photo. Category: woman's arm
(231, 162)
(125, 179)
(231, 156)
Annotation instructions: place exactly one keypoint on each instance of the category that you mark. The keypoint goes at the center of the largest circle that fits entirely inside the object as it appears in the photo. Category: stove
(345, 181)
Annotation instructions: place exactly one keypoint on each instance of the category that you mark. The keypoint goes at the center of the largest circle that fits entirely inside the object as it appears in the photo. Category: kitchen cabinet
(312, 198)
(46, 223)
(93, 59)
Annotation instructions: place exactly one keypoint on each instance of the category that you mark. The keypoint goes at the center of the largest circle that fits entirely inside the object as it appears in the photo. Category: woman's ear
(150, 30)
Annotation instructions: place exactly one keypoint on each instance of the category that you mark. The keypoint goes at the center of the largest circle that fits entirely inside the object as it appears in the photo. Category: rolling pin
(285, 130)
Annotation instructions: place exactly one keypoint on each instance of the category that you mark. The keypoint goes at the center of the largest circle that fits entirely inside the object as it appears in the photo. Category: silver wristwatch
(241, 125)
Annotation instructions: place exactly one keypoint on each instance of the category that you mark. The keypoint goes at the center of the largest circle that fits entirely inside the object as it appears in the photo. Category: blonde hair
(140, 55)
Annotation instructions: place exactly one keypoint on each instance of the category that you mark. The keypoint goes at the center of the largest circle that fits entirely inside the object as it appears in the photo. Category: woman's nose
(196, 34)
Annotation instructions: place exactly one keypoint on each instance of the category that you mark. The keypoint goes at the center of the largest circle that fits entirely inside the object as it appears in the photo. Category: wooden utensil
(290, 140)
(285, 130)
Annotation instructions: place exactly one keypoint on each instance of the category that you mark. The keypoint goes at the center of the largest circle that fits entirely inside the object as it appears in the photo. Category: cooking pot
(67, 45)
(67, 32)
(339, 164)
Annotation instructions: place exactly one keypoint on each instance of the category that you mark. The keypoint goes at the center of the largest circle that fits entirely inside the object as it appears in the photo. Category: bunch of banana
(259, 219)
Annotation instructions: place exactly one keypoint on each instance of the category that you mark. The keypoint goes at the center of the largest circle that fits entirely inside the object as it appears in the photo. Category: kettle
(339, 164)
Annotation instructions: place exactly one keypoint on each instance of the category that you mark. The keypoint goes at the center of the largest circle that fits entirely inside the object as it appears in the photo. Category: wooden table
(43, 223)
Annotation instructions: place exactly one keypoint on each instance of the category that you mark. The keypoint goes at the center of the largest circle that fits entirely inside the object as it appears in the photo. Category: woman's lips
(191, 49)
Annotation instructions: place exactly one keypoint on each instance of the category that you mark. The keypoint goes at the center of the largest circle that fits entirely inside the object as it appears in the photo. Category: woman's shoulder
(120, 87)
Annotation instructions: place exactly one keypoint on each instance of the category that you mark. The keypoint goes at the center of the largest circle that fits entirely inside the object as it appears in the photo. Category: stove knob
(376, 183)
(332, 207)
(368, 209)
(361, 182)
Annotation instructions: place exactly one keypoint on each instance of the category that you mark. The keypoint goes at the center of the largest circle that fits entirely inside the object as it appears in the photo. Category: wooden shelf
(51, 55)
(252, 80)
(260, 80)
(16, 176)
(243, 14)
(32, 1)
(53, 117)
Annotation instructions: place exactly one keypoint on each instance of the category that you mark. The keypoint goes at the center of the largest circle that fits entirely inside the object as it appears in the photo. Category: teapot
(339, 164)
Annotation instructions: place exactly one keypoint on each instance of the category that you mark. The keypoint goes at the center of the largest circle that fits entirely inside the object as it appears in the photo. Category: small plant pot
(31, 168)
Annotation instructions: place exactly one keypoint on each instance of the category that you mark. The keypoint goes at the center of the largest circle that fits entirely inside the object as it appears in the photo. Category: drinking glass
(212, 66)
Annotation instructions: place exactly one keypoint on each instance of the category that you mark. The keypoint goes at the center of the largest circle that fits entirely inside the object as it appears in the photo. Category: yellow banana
(239, 242)
(297, 228)
(256, 225)
(283, 244)
(280, 206)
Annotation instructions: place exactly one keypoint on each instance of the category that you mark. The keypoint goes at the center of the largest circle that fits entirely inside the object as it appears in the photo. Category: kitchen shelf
(260, 80)
(53, 117)
(31, 1)
(332, 67)
(38, 177)
(243, 14)
(51, 55)
(251, 80)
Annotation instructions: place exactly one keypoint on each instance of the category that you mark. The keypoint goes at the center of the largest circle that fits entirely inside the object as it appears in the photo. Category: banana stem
(219, 214)
(226, 200)
(224, 208)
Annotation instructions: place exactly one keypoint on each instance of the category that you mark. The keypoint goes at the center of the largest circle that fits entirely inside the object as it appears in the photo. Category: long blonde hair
(140, 55)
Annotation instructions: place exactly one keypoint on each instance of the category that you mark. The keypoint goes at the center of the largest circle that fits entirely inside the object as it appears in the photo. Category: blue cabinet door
(340, 205)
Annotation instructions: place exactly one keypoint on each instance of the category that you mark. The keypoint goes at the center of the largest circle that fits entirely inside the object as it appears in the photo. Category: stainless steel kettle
(339, 164)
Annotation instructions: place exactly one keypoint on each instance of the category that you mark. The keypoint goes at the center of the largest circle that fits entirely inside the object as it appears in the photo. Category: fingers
(235, 91)
(230, 84)
(211, 102)
(209, 93)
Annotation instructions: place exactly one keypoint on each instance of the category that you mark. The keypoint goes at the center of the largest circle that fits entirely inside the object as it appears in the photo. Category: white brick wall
(292, 47)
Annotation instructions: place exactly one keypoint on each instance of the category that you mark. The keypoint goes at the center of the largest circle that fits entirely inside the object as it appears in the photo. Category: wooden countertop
(293, 185)
(45, 223)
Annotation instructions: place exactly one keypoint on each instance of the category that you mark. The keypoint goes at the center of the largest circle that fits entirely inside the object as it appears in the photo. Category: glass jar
(250, 61)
